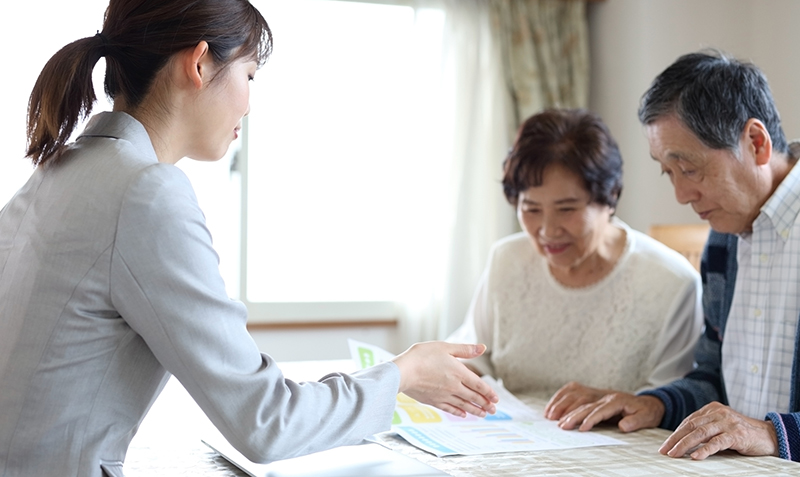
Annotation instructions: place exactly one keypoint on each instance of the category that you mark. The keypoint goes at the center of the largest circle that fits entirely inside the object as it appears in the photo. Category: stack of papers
(515, 427)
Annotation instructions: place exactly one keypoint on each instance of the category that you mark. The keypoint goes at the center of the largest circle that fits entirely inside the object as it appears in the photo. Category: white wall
(632, 41)
(32, 32)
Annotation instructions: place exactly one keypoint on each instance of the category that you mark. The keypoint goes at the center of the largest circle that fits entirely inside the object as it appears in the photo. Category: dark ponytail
(138, 38)
(63, 95)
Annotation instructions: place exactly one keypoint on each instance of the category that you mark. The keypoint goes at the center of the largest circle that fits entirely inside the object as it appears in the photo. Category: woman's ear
(197, 64)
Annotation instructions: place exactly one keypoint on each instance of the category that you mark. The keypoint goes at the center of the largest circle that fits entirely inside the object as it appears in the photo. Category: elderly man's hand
(717, 427)
(637, 412)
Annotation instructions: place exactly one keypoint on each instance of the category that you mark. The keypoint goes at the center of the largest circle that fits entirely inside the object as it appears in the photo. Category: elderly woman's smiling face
(562, 222)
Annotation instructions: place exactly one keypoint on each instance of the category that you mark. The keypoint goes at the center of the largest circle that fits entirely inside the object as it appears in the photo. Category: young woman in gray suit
(108, 279)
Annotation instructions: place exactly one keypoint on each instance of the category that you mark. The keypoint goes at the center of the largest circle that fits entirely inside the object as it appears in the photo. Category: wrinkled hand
(432, 374)
(716, 427)
(571, 396)
(637, 412)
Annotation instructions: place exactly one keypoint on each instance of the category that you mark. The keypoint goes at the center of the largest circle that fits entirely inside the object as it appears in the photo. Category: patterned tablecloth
(168, 444)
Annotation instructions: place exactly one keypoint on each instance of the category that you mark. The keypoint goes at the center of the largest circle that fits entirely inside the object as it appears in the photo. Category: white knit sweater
(635, 329)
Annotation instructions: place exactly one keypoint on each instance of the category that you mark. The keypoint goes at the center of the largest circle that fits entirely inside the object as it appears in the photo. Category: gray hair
(714, 96)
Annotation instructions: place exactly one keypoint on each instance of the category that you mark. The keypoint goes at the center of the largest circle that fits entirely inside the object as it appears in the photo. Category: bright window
(345, 165)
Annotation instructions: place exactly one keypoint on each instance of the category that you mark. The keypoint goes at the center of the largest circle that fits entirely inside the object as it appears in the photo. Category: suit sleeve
(165, 282)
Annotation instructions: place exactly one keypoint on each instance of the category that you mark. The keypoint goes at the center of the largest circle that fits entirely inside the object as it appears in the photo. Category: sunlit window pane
(345, 161)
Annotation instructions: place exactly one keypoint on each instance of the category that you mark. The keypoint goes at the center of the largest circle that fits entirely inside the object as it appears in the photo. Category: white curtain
(475, 213)
(503, 60)
(481, 103)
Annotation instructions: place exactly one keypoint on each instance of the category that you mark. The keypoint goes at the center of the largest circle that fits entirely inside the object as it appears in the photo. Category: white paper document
(514, 427)
(367, 460)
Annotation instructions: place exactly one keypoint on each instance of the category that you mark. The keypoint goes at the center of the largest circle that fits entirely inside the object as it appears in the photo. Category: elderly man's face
(722, 188)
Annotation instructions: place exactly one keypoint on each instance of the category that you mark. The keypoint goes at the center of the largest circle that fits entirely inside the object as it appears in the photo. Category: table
(168, 444)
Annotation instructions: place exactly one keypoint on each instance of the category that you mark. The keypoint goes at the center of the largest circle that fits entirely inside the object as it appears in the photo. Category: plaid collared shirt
(759, 339)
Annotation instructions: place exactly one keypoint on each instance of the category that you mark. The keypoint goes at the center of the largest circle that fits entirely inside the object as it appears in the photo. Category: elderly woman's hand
(432, 374)
(570, 397)
(634, 412)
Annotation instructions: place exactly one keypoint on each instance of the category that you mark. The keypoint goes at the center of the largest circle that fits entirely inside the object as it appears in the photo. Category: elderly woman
(579, 304)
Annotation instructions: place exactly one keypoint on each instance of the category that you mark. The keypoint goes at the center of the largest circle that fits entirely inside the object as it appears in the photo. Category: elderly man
(714, 130)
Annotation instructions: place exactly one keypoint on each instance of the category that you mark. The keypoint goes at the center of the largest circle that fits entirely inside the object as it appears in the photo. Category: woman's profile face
(220, 108)
(560, 219)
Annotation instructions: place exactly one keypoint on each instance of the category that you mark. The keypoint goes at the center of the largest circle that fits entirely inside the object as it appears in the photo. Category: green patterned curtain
(545, 46)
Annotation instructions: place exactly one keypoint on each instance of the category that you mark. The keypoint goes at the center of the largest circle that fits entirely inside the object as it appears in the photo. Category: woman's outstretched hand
(431, 373)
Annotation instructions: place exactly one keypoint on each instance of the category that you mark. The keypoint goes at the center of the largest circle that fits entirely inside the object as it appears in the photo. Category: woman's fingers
(432, 374)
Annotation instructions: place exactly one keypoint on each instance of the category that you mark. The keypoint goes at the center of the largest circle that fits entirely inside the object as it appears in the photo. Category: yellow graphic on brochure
(403, 399)
(419, 413)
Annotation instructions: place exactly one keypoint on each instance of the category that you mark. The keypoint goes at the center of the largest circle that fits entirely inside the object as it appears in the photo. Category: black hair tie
(104, 41)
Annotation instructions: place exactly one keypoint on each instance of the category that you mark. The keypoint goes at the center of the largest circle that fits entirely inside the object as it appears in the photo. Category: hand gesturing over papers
(432, 374)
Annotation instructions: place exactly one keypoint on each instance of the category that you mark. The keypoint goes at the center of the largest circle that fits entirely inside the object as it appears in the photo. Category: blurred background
(364, 195)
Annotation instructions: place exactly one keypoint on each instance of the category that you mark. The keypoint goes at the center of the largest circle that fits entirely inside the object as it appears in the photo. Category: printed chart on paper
(515, 427)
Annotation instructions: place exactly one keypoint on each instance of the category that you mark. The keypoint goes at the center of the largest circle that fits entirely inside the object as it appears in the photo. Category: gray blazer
(108, 282)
